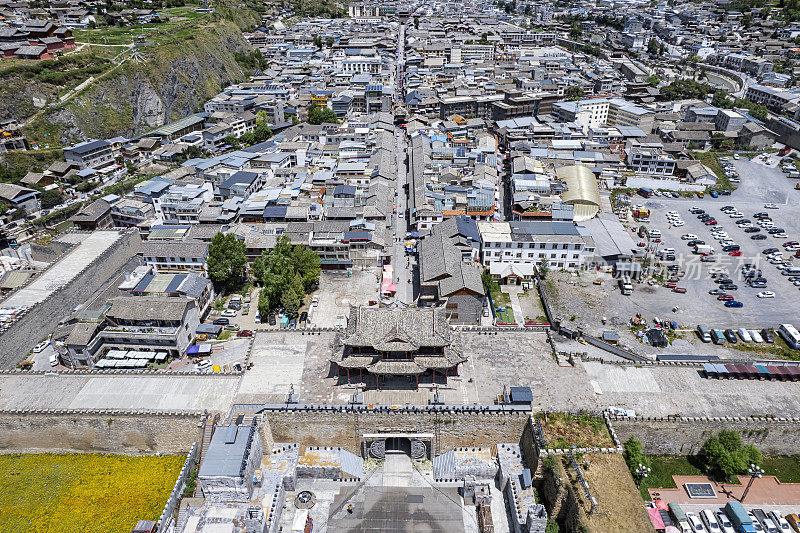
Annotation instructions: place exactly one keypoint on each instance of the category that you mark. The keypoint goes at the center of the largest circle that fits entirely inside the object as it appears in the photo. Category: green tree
(725, 456)
(652, 47)
(720, 99)
(634, 456)
(286, 274)
(489, 285)
(552, 527)
(653, 80)
(317, 40)
(51, 198)
(575, 31)
(231, 140)
(320, 115)
(416, 22)
(542, 268)
(573, 91)
(226, 262)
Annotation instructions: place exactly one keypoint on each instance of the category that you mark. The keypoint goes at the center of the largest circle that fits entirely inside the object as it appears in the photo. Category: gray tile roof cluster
(141, 308)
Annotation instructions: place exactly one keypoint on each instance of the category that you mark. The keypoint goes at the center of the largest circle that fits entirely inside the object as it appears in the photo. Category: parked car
(734, 303)
(780, 522)
(694, 522)
(54, 359)
(221, 322)
(231, 327)
(710, 521)
(730, 336)
(724, 522)
(41, 346)
(292, 323)
(303, 317)
(758, 237)
(229, 313)
(245, 333)
(272, 320)
(768, 336)
(766, 294)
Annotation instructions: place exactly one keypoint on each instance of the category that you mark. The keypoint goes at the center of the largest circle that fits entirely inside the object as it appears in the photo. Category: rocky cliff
(161, 83)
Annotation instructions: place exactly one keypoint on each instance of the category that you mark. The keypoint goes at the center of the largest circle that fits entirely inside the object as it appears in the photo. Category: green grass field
(181, 21)
(83, 492)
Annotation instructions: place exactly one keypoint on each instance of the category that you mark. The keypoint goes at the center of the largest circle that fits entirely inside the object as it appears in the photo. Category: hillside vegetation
(172, 76)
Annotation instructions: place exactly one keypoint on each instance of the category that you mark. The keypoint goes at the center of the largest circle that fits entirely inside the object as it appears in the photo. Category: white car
(770, 206)
(678, 223)
(724, 523)
(54, 359)
(744, 335)
(780, 522)
(766, 294)
(736, 156)
(710, 521)
(229, 313)
(672, 213)
(691, 236)
(41, 346)
(695, 523)
(736, 214)
(756, 336)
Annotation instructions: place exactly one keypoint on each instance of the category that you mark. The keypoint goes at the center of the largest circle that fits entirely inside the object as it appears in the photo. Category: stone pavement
(765, 492)
(513, 292)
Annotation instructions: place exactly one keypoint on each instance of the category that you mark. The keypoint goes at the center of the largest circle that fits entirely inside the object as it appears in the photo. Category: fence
(616, 350)
(545, 302)
(165, 521)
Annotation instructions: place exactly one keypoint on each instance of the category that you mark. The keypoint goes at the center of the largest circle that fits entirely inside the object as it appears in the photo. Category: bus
(790, 334)
(645, 192)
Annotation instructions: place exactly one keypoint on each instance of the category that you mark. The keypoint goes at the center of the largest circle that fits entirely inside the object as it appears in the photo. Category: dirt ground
(621, 507)
(583, 431)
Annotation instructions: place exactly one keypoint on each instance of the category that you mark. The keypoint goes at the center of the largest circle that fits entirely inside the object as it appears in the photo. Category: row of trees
(722, 457)
(286, 273)
(720, 99)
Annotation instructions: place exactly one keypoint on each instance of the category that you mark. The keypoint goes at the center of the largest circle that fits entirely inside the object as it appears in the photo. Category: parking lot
(760, 184)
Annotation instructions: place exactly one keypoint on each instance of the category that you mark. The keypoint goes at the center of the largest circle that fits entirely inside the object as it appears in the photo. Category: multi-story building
(773, 98)
(90, 154)
(142, 324)
(561, 245)
(647, 160)
(177, 256)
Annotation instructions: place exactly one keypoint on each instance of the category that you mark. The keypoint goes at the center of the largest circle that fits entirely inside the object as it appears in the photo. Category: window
(451, 306)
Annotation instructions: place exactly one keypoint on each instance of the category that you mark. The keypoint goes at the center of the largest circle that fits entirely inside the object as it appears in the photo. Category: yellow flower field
(83, 492)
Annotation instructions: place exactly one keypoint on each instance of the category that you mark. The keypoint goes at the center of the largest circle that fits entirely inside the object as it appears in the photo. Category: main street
(403, 266)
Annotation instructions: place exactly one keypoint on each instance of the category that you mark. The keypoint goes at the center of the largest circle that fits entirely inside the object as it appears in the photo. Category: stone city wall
(686, 435)
(42, 318)
(133, 432)
(345, 429)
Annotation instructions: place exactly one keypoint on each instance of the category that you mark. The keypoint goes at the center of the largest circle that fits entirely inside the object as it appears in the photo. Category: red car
(725, 297)
(736, 253)
(642, 244)
(711, 222)
(244, 333)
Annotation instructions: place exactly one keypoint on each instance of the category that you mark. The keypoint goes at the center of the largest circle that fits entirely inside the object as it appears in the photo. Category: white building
(562, 245)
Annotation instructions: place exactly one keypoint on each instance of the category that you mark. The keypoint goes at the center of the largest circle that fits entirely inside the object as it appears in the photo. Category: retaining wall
(119, 432)
(686, 435)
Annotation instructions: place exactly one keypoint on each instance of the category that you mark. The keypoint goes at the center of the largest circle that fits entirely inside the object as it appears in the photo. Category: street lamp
(641, 473)
(755, 471)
